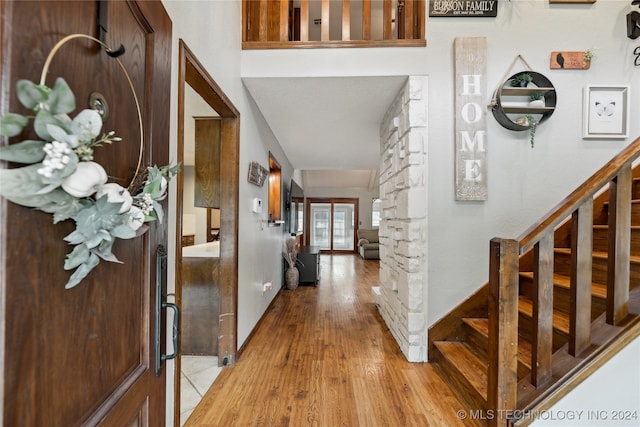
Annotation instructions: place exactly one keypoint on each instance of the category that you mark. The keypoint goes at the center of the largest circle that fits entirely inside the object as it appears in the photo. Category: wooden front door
(84, 356)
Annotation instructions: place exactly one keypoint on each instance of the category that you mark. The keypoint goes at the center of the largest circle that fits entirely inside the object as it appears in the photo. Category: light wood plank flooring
(324, 357)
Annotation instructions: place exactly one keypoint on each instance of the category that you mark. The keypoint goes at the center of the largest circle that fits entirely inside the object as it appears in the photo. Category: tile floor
(198, 373)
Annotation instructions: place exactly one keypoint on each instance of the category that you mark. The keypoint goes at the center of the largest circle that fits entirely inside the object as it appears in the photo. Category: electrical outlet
(266, 287)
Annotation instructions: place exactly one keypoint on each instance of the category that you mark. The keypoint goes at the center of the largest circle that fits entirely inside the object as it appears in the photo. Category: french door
(332, 223)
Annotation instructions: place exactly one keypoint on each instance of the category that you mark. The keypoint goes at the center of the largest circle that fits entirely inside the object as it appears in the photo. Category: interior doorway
(216, 247)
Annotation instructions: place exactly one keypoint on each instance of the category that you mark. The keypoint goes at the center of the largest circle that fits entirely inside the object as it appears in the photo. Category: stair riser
(562, 298)
(635, 212)
(465, 389)
(525, 330)
(562, 263)
(480, 343)
(600, 241)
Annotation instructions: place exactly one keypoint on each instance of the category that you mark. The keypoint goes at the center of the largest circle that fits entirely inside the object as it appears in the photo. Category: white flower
(116, 194)
(135, 218)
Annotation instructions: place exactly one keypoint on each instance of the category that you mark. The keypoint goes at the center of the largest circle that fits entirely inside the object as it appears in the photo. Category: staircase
(561, 300)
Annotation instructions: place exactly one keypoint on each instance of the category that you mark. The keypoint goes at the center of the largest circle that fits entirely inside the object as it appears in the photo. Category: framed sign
(463, 8)
(606, 112)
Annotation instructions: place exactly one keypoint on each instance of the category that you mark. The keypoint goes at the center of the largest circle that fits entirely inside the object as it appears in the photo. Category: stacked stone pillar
(403, 226)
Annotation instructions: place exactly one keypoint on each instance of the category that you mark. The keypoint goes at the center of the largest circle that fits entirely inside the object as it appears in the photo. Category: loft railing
(504, 266)
(283, 24)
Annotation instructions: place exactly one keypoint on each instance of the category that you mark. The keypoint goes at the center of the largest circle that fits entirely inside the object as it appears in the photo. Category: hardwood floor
(324, 357)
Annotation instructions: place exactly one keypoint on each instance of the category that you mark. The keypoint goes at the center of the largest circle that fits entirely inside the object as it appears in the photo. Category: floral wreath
(62, 179)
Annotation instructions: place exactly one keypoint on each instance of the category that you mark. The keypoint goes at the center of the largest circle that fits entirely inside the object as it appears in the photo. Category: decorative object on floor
(511, 103)
(571, 60)
(290, 253)
(62, 179)
(470, 56)
(257, 173)
(606, 112)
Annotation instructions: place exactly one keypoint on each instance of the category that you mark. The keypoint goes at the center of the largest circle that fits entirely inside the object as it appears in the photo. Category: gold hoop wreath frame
(61, 177)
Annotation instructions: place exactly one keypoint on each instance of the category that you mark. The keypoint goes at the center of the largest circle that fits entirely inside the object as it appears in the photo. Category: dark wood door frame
(193, 73)
(332, 201)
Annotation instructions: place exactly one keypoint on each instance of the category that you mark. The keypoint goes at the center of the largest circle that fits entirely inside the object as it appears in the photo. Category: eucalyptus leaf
(44, 118)
(159, 212)
(99, 237)
(61, 99)
(79, 255)
(61, 204)
(12, 124)
(87, 125)
(104, 252)
(21, 182)
(74, 238)
(31, 94)
(82, 271)
(23, 152)
(59, 134)
(123, 232)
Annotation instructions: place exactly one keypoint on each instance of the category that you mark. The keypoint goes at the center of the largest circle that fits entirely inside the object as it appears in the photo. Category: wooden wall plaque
(470, 69)
(569, 61)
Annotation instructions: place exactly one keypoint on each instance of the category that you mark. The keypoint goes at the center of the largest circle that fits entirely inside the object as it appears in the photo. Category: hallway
(324, 357)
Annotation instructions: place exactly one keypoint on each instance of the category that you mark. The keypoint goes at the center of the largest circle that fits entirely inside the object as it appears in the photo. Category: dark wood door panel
(84, 355)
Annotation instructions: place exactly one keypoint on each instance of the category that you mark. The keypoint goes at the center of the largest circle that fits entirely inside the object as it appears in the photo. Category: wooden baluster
(273, 20)
(420, 11)
(387, 16)
(284, 21)
(263, 23)
(618, 268)
(366, 20)
(408, 19)
(324, 15)
(581, 272)
(346, 20)
(502, 388)
(304, 20)
(542, 334)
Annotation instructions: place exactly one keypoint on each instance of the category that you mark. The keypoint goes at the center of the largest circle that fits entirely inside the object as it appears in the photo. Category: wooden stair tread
(598, 290)
(601, 255)
(605, 226)
(467, 362)
(560, 320)
(481, 325)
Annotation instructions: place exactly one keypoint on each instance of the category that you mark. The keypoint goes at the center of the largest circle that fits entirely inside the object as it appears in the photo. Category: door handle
(160, 305)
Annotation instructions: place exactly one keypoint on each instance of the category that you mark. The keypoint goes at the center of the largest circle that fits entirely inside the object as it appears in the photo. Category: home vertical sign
(470, 69)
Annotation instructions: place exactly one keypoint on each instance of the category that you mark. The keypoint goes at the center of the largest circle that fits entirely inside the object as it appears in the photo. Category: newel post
(503, 330)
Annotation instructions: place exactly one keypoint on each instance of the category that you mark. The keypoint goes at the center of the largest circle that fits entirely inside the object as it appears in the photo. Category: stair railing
(281, 24)
(504, 282)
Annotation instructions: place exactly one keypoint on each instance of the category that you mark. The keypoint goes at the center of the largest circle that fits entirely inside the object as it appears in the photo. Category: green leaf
(123, 232)
(157, 207)
(104, 252)
(79, 255)
(44, 118)
(82, 271)
(61, 99)
(12, 124)
(74, 238)
(21, 182)
(23, 152)
(31, 94)
(60, 135)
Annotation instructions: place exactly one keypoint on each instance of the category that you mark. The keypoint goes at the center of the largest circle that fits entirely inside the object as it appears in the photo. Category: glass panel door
(320, 231)
(343, 226)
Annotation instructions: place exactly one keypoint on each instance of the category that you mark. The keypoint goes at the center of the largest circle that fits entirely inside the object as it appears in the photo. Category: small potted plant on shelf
(521, 80)
(528, 120)
(536, 99)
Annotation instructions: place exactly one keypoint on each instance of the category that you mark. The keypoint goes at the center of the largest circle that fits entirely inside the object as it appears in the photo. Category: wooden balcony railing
(284, 24)
(577, 213)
